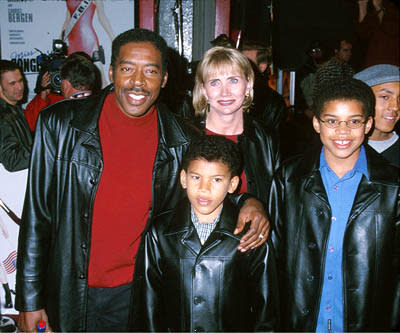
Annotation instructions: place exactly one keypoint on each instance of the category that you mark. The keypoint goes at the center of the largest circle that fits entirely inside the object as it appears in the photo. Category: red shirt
(234, 138)
(124, 195)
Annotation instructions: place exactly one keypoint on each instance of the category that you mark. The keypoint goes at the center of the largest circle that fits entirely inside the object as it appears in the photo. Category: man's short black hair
(337, 43)
(214, 148)
(345, 89)
(8, 66)
(136, 36)
(80, 72)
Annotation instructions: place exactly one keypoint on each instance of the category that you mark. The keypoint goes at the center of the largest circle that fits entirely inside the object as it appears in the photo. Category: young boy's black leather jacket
(301, 216)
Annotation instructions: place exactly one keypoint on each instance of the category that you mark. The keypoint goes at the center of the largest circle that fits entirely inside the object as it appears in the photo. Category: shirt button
(92, 181)
(330, 277)
(83, 246)
(305, 312)
(197, 300)
(333, 218)
(328, 307)
(310, 277)
(330, 249)
(336, 187)
(312, 245)
(82, 276)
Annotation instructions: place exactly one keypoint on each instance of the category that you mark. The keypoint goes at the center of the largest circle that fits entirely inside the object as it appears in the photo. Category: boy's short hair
(214, 148)
(345, 89)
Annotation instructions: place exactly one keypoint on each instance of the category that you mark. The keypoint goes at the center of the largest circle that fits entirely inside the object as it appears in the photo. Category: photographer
(79, 78)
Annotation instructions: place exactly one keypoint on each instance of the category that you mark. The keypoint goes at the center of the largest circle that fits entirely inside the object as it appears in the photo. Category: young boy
(336, 215)
(190, 275)
(384, 81)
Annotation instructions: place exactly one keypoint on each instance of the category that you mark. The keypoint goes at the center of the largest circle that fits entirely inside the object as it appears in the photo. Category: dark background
(295, 24)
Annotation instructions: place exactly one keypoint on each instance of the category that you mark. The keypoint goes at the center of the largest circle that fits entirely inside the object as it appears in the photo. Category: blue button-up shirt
(341, 193)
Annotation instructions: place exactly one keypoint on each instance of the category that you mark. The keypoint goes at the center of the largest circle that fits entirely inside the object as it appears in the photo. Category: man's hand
(252, 211)
(27, 321)
(45, 83)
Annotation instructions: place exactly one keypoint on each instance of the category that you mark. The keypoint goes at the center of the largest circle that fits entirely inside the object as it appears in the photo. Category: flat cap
(379, 74)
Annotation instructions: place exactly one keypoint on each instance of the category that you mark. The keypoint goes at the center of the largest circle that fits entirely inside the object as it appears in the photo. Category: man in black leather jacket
(336, 215)
(101, 167)
(15, 137)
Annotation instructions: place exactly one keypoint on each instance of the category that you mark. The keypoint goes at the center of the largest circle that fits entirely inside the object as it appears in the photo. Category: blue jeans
(108, 309)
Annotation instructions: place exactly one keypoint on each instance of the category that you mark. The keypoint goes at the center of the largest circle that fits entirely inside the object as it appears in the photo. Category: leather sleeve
(276, 210)
(146, 310)
(396, 263)
(15, 143)
(36, 226)
(263, 288)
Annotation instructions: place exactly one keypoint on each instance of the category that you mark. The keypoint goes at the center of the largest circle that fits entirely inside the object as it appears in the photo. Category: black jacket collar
(181, 221)
(377, 166)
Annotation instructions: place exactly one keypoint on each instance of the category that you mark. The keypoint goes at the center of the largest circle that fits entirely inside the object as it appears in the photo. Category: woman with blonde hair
(222, 95)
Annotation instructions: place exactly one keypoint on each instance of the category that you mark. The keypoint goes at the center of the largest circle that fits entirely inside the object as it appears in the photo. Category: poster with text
(29, 27)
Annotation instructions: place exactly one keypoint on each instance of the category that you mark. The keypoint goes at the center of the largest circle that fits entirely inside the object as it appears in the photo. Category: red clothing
(124, 194)
(36, 105)
(234, 138)
(383, 37)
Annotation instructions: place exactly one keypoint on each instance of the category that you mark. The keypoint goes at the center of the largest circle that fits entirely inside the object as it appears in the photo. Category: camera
(51, 63)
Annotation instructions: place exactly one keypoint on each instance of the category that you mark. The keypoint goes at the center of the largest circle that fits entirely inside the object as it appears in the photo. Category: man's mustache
(136, 90)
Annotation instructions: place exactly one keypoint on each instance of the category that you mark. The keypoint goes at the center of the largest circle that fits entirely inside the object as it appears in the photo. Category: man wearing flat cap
(384, 81)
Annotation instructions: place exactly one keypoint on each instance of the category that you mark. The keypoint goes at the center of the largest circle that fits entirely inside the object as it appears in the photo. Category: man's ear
(368, 124)
(66, 88)
(316, 124)
(164, 80)
(233, 184)
(183, 179)
(110, 74)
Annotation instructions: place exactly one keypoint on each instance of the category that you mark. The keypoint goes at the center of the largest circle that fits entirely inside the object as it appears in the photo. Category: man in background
(79, 78)
(337, 67)
(15, 137)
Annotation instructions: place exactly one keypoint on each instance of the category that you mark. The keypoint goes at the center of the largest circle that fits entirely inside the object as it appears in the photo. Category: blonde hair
(220, 59)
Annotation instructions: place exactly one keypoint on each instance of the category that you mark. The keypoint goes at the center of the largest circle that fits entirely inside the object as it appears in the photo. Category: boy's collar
(360, 165)
(182, 219)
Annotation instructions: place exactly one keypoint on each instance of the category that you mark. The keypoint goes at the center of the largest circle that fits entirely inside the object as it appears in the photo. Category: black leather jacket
(15, 138)
(261, 156)
(371, 248)
(66, 166)
(183, 286)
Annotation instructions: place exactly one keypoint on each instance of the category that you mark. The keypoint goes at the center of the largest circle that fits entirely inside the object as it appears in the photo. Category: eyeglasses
(352, 123)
